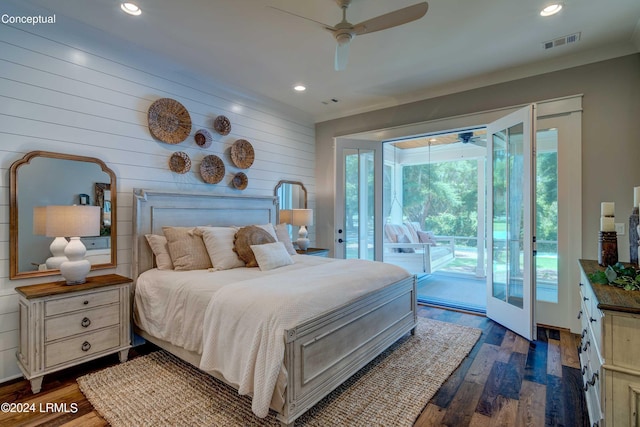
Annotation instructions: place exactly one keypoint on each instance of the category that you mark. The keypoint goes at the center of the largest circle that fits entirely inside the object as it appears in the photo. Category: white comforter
(238, 326)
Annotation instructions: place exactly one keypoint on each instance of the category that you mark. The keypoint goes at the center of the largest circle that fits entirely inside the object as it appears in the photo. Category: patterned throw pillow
(186, 248)
(247, 236)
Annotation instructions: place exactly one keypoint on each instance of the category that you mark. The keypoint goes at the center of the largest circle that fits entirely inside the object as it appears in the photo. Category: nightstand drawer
(81, 322)
(81, 346)
(80, 302)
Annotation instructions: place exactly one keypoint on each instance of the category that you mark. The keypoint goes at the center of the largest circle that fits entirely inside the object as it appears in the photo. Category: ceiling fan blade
(342, 56)
(392, 19)
(328, 27)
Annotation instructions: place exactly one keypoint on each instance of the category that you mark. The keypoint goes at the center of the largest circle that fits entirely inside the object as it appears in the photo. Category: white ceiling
(458, 45)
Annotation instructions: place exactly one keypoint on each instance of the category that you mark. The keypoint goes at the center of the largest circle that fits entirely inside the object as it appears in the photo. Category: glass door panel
(359, 174)
(510, 297)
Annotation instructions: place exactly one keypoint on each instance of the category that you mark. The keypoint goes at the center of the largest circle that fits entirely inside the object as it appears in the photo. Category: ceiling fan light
(343, 38)
(299, 88)
(131, 9)
(552, 9)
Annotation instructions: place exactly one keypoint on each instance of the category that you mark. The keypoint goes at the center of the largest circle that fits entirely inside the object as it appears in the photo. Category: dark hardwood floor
(505, 381)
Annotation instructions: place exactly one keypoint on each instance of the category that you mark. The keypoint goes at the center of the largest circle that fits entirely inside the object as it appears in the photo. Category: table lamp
(284, 216)
(73, 222)
(302, 218)
(57, 245)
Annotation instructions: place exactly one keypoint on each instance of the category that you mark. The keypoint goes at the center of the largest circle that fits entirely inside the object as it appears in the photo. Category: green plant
(618, 275)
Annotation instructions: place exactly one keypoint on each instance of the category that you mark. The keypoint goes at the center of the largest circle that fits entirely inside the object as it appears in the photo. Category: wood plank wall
(69, 89)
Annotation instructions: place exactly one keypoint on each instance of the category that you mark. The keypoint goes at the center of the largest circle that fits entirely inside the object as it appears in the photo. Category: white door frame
(341, 144)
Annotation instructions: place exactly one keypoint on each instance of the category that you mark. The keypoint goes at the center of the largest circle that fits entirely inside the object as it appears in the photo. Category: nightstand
(64, 325)
(314, 252)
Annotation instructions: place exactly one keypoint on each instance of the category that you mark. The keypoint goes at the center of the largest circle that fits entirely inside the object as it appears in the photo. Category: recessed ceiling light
(552, 9)
(131, 9)
(299, 88)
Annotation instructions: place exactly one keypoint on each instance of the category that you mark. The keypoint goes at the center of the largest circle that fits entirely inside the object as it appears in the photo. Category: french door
(511, 221)
(358, 231)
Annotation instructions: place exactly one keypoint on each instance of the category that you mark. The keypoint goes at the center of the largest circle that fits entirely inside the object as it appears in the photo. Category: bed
(321, 340)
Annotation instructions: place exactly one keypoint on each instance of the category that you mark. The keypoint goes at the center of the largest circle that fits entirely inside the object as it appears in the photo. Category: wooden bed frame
(320, 354)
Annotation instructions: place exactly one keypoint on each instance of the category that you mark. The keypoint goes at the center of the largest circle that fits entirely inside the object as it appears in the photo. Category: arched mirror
(290, 195)
(43, 178)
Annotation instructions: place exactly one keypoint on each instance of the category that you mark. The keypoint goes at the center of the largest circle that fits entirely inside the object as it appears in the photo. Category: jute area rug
(161, 390)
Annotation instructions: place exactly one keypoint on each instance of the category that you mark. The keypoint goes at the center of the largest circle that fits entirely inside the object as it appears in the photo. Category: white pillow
(269, 229)
(271, 255)
(160, 249)
(219, 244)
(282, 233)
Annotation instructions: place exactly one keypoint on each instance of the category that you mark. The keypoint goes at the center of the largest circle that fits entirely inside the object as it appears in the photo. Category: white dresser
(610, 351)
(64, 325)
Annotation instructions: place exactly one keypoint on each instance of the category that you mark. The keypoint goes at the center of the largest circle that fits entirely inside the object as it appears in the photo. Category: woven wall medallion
(169, 121)
(222, 125)
(212, 169)
(242, 154)
(240, 181)
(203, 138)
(179, 162)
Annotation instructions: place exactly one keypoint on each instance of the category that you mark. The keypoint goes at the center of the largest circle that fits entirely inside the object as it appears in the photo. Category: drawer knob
(85, 302)
(591, 319)
(586, 346)
(579, 314)
(86, 346)
(86, 322)
(584, 332)
(585, 299)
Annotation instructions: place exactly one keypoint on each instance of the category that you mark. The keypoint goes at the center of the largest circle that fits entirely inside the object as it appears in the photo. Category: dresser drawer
(81, 346)
(81, 302)
(81, 322)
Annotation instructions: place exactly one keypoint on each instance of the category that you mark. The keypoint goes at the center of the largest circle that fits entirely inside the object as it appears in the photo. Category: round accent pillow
(247, 236)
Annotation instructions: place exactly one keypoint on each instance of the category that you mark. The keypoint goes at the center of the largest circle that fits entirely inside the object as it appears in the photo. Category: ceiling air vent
(571, 38)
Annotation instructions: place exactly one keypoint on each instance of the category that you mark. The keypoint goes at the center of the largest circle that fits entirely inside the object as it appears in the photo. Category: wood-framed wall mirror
(43, 178)
(290, 195)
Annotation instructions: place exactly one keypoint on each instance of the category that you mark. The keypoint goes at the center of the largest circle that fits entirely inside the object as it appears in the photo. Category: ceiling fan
(470, 137)
(344, 31)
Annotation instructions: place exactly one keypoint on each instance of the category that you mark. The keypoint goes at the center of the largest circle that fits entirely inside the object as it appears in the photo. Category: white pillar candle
(636, 196)
(607, 208)
(607, 223)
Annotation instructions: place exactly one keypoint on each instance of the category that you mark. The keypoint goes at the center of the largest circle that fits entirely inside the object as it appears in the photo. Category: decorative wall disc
(242, 154)
(203, 138)
(212, 169)
(240, 181)
(222, 125)
(179, 162)
(169, 121)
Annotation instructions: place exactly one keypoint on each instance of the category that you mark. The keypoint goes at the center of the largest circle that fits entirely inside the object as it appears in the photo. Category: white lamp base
(303, 242)
(75, 270)
(57, 248)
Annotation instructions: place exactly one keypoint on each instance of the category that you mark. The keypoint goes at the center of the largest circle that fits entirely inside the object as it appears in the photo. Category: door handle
(340, 241)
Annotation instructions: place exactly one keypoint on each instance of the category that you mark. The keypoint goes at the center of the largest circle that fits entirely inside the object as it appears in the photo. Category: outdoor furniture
(419, 252)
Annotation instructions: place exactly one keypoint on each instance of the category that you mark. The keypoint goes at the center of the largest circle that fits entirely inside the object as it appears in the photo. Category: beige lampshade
(285, 216)
(40, 220)
(72, 221)
(302, 217)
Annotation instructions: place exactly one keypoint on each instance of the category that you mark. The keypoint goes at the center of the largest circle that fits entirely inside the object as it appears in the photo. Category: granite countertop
(611, 297)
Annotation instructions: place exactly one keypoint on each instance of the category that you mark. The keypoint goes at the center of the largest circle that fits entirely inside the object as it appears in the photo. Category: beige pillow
(282, 233)
(219, 244)
(247, 236)
(269, 229)
(160, 249)
(271, 255)
(186, 248)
